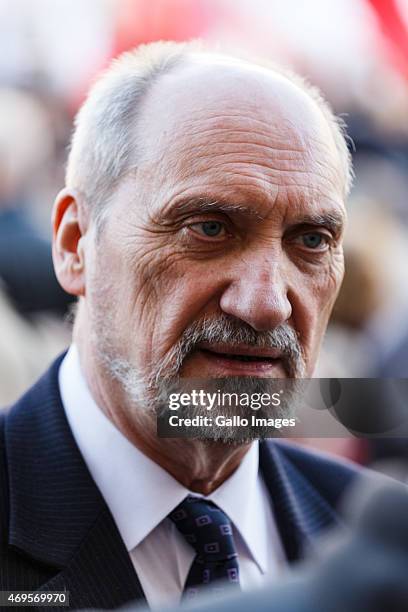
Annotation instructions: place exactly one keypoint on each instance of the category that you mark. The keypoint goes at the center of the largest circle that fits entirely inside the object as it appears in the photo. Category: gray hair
(102, 151)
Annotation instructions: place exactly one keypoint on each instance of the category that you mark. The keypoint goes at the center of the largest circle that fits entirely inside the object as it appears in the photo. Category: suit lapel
(300, 511)
(100, 573)
(57, 514)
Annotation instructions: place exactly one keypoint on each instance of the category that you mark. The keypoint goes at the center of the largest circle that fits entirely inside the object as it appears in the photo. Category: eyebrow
(332, 220)
(208, 204)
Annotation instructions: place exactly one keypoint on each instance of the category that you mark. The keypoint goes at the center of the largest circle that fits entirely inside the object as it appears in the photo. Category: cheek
(191, 298)
(170, 292)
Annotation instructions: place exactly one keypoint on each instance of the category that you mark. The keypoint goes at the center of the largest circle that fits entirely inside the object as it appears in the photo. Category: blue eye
(313, 240)
(210, 229)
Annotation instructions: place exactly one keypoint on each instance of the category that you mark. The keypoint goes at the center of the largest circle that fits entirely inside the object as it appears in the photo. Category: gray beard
(147, 392)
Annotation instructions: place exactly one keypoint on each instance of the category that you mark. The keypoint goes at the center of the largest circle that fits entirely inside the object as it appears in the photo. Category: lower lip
(233, 367)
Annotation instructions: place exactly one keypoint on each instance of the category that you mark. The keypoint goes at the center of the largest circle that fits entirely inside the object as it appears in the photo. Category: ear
(70, 225)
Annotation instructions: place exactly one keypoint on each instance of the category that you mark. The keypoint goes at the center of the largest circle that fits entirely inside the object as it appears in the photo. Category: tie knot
(206, 527)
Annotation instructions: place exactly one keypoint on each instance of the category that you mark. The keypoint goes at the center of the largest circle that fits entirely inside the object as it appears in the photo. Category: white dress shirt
(140, 495)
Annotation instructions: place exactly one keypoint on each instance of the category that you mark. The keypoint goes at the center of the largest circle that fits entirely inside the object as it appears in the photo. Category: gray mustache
(231, 331)
(225, 329)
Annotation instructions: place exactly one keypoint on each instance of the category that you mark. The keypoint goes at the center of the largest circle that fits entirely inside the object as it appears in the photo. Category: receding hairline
(279, 81)
(117, 101)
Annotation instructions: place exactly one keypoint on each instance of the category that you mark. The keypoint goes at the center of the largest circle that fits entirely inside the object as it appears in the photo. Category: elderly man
(201, 229)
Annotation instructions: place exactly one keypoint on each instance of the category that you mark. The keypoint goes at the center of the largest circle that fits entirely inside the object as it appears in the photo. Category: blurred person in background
(31, 300)
(369, 317)
(26, 348)
(26, 146)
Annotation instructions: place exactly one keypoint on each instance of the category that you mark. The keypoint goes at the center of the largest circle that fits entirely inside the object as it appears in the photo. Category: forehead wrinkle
(278, 157)
(265, 181)
(227, 148)
(234, 122)
(232, 131)
(308, 205)
(177, 132)
(267, 167)
(277, 136)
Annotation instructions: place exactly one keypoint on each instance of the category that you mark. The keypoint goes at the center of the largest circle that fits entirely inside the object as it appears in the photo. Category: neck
(200, 466)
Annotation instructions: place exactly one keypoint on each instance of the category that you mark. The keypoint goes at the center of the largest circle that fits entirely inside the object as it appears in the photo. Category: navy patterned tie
(209, 531)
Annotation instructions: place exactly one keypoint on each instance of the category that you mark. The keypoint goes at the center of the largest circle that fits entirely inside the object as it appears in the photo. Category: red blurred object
(141, 21)
(144, 21)
(394, 30)
(354, 449)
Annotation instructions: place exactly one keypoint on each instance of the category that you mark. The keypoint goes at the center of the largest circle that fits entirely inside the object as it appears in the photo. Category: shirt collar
(138, 492)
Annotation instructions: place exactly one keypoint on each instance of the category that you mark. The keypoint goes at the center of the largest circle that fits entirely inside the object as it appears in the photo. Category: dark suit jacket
(57, 533)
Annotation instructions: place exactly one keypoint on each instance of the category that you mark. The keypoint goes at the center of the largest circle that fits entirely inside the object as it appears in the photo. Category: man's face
(225, 244)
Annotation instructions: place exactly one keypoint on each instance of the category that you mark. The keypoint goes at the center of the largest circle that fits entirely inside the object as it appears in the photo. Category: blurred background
(356, 51)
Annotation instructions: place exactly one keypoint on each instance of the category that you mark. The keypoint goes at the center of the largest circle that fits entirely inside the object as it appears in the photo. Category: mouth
(243, 360)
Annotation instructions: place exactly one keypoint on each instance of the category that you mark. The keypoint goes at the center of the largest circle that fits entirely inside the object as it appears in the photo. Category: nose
(258, 296)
